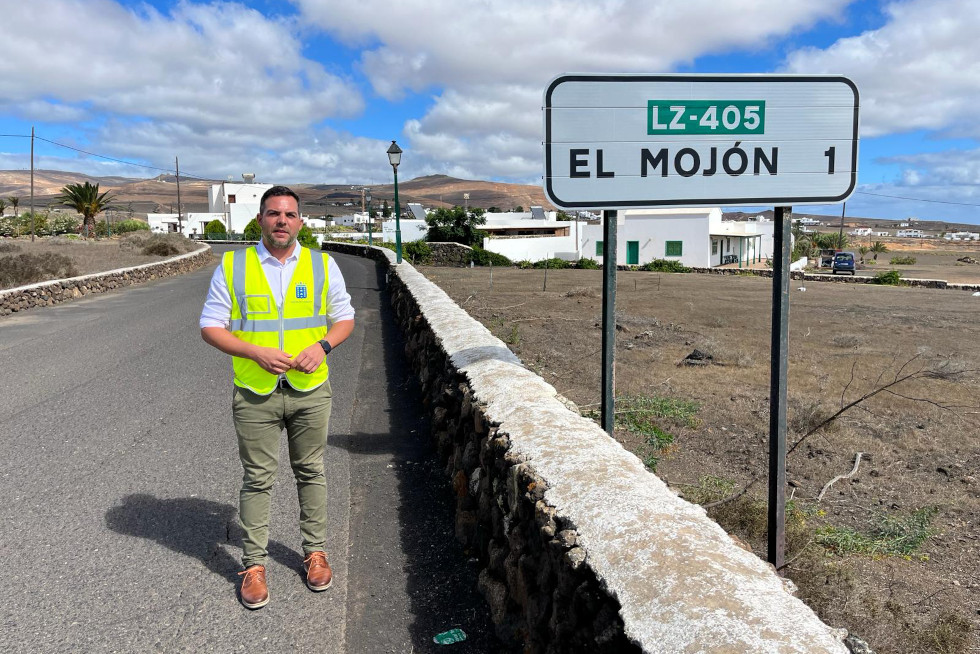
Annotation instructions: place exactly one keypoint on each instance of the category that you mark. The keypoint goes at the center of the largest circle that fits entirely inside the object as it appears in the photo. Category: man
(278, 309)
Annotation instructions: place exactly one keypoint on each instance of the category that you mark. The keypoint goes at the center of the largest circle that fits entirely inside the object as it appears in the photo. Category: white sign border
(699, 202)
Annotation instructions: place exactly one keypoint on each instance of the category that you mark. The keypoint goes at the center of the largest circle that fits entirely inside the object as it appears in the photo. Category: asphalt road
(120, 490)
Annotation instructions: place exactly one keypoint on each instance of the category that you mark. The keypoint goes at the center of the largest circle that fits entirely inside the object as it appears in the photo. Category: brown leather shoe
(254, 591)
(319, 576)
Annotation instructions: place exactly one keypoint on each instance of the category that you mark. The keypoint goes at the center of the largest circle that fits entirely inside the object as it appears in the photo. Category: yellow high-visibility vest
(255, 317)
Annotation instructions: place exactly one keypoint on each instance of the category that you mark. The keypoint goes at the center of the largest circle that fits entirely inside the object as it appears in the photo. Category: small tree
(455, 225)
(252, 231)
(86, 200)
(3, 206)
(14, 202)
(863, 251)
(215, 228)
(878, 248)
(386, 210)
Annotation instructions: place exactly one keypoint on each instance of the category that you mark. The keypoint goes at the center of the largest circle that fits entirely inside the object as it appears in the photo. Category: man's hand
(273, 360)
(309, 359)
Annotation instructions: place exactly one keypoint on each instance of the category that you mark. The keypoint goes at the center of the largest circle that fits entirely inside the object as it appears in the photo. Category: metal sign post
(608, 408)
(778, 369)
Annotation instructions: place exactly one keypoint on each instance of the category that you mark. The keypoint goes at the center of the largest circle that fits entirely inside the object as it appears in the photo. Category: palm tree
(878, 248)
(863, 251)
(3, 206)
(14, 201)
(86, 200)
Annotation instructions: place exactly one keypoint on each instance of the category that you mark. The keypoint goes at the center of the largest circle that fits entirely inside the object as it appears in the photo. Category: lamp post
(395, 158)
(370, 219)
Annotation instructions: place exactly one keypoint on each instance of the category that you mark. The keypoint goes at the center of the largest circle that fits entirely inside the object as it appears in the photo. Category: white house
(233, 204)
(238, 202)
(910, 233)
(643, 235)
(860, 231)
(962, 236)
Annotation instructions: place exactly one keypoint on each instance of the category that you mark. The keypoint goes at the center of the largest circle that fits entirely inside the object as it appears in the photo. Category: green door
(632, 253)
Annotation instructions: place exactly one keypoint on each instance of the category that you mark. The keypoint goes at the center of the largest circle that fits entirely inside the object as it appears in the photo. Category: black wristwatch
(326, 346)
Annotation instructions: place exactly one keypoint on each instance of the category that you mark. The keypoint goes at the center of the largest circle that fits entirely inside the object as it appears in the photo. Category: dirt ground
(892, 553)
(87, 255)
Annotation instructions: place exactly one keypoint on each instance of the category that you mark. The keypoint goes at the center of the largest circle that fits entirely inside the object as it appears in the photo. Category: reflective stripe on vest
(255, 317)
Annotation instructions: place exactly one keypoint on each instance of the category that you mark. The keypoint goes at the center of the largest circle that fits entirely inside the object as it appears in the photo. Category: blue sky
(315, 90)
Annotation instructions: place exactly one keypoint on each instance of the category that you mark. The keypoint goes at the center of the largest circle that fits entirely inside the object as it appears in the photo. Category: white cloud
(489, 62)
(921, 70)
(425, 43)
(218, 78)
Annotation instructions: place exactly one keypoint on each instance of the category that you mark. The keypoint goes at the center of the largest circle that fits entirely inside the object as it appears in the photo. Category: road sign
(699, 140)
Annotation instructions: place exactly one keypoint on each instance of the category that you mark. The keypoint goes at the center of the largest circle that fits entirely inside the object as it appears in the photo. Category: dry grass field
(25, 262)
(893, 552)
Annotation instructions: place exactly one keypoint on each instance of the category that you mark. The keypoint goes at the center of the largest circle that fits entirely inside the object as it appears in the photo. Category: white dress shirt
(217, 307)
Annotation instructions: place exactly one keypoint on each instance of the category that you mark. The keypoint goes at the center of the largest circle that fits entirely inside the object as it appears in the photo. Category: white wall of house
(238, 203)
(412, 230)
(647, 232)
(533, 248)
(192, 223)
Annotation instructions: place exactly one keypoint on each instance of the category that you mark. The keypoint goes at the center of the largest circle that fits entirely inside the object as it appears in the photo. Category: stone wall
(64, 290)
(581, 547)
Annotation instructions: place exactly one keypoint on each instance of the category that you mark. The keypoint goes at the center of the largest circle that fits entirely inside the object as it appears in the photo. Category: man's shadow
(193, 527)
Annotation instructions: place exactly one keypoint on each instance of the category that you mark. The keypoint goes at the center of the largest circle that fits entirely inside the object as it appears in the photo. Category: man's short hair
(277, 191)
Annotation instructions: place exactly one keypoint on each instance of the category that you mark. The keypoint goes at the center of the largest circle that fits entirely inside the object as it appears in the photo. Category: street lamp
(370, 219)
(395, 158)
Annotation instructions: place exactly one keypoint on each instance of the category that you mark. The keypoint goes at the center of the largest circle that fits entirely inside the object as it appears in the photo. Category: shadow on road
(193, 527)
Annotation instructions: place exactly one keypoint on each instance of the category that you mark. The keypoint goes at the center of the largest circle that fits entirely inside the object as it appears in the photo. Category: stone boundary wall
(50, 293)
(581, 548)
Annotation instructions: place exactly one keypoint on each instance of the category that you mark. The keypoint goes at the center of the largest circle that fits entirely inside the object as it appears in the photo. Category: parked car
(843, 262)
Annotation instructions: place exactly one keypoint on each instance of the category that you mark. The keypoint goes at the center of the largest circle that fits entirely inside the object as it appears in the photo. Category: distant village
(695, 237)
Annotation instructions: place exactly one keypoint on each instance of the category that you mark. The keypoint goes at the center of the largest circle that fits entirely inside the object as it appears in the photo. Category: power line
(902, 197)
(102, 156)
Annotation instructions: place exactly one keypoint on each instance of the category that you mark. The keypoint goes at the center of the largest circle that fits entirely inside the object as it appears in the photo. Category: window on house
(714, 247)
(231, 199)
(674, 248)
(598, 248)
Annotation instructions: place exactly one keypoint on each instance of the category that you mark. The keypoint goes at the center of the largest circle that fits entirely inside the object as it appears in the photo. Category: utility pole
(32, 183)
(180, 215)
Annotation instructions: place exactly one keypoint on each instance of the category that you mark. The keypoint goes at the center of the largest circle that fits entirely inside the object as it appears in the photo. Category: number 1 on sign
(829, 153)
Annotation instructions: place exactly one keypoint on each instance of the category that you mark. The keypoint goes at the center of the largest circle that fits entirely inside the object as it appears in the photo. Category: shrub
(418, 252)
(305, 237)
(163, 245)
(888, 278)
(902, 261)
(131, 225)
(553, 262)
(524, 264)
(7, 227)
(62, 224)
(482, 257)
(40, 224)
(9, 247)
(587, 264)
(252, 231)
(664, 265)
(22, 269)
(215, 227)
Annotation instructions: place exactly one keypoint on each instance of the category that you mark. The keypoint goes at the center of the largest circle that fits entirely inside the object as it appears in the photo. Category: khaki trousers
(259, 421)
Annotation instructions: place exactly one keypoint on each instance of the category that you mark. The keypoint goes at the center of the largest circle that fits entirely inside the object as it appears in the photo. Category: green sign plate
(677, 117)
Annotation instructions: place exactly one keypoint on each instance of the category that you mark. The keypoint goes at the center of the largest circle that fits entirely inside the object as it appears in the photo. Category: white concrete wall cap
(684, 586)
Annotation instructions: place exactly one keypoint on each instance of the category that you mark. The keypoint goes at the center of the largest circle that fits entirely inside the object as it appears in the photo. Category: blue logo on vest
(301, 291)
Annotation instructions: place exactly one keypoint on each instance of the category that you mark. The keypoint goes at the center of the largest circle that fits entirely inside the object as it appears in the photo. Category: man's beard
(271, 243)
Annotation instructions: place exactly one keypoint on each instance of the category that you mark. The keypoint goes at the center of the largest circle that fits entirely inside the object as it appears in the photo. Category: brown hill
(159, 194)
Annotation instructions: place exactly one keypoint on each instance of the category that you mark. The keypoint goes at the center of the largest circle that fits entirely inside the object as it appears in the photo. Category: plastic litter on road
(449, 637)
